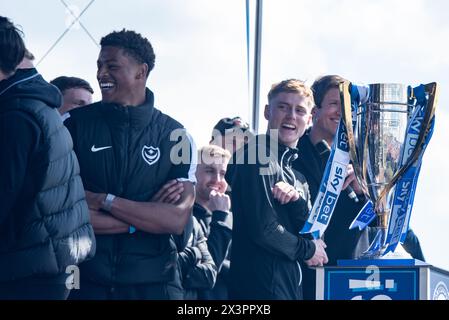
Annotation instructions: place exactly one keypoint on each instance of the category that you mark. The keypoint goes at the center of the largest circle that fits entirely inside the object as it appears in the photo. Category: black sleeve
(299, 211)
(412, 245)
(261, 219)
(19, 139)
(188, 258)
(220, 236)
(204, 274)
(182, 240)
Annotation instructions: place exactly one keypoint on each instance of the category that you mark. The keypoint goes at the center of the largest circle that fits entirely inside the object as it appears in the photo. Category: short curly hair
(132, 43)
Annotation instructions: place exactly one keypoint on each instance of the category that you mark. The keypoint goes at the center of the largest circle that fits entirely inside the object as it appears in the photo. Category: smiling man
(124, 145)
(213, 210)
(270, 202)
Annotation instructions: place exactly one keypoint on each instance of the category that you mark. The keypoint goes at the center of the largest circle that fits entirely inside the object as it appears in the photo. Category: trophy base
(399, 253)
(381, 263)
(377, 249)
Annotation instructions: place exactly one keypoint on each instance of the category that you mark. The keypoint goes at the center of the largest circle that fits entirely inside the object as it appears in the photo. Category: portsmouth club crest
(441, 292)
(150, 154)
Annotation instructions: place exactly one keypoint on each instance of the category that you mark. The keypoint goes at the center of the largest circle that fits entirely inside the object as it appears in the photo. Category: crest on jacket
(150, 154)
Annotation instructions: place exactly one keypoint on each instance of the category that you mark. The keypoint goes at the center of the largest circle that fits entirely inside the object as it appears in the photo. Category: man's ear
(266, 112)
(314, 113)
(143, 70)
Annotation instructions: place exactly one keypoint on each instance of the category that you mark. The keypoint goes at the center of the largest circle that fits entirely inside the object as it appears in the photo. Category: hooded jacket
(44, 219)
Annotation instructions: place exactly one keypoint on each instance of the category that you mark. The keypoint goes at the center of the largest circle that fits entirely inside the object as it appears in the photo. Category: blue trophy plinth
(382, 279)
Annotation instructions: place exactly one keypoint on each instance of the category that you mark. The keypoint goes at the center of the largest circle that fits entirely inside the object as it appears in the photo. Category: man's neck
(136, 101)
(4, 76)
(203, 203)
(317, 136)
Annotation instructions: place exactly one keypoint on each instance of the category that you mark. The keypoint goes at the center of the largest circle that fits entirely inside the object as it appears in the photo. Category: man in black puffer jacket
(128, 150)
(44, 220)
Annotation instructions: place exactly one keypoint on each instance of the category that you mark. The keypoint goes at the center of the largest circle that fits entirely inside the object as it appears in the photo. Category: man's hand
(284, 192)
(352, 180)
(169, 193)
(95, 200)
(219, 201)
(319, 258)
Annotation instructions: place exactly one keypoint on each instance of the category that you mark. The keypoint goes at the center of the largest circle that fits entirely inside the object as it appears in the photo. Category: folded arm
(104, 223)
(152, 217)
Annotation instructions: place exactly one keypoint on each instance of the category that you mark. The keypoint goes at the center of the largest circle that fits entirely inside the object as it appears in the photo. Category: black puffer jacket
(44, 219)
(130, 151)
(217, 227)
(197, 267)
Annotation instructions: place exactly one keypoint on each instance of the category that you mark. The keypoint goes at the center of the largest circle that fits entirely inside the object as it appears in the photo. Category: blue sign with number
(371, 283)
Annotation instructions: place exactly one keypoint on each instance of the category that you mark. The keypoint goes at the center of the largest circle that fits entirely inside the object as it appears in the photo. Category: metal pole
(257, 58)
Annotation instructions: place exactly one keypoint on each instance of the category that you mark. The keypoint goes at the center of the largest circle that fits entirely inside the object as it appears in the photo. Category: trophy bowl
(381, 125)
(383, 147)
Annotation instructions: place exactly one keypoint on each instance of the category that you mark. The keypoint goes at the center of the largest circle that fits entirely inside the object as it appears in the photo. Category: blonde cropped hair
(212, 154)
(291, 86)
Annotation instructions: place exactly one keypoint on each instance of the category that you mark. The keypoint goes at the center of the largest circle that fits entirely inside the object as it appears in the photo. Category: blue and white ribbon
(410, 206)
(367, 214)
(334, 175)
(402, 200)
(364, 217)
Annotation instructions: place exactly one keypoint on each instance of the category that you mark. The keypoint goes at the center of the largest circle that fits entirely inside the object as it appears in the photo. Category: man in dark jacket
(44, 219)
(127, 151)
(212, 209)
(267, 247)
(313, 147)
(196, 265)
(211, 213)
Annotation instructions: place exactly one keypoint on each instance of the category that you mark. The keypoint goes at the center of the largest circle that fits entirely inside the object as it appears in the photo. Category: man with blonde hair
(212, 209)
(271, 202)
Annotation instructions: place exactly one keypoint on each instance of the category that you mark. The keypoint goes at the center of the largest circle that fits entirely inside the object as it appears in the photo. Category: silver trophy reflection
(376, 144)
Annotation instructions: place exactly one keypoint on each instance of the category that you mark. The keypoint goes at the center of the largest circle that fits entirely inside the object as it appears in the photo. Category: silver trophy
(377, 132)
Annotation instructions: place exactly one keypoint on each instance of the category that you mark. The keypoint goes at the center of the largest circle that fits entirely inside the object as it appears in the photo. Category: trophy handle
(433, 90)
(347, 120)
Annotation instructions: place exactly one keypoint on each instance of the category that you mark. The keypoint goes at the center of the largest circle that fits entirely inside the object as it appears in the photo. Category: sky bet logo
(342, 140)
(328, 206)
(330, 198)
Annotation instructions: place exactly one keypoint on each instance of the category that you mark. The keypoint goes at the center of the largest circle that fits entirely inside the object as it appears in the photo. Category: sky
(201, 62)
